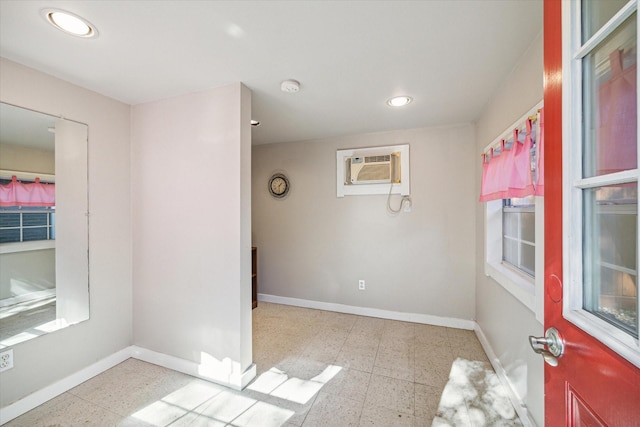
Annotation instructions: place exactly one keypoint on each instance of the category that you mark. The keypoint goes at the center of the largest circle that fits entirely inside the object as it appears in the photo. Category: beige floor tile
(434, 373)
(298, 410)
(370, 327)
(383, 417)
(396, 357)
(397, 329)
(356, 357)
(349, 383)
(396, 362)
(407, 374)
(356, 339)
(128, 392)
(144, 368)
(263, 414)
(225, 406)
(69, 411)
(430, 332)
(391, 393)
(422, 421)
(427, 399)
(337, 370)
(330, 410)
(322, 350)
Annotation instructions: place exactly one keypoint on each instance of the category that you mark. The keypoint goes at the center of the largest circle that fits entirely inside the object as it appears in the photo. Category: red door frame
(591, 382)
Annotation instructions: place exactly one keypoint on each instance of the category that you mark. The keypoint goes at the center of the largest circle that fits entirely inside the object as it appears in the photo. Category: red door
(591, 384)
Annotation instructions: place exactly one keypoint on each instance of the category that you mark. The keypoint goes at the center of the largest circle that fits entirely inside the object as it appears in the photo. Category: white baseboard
(516, 399)
(223, 373)
(234, 380)
(426, 319)
(41, 396)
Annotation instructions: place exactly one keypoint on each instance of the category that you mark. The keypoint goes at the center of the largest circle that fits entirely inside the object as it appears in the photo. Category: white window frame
(526, 289)
(573, 184)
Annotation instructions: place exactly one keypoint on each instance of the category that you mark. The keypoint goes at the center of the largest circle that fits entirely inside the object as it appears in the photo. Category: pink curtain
(508, 174)
(539, 191)
(617, 119)
(32, 194)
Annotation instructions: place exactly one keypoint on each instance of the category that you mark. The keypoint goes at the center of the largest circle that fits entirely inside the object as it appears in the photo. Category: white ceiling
(350, 56)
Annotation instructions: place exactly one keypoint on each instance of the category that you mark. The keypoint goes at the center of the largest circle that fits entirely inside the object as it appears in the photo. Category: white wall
(191, 166)
(503, 319)
(109, 328)
(315, 246)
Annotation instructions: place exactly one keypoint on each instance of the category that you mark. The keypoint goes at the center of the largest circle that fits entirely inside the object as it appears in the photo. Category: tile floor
(315, 368)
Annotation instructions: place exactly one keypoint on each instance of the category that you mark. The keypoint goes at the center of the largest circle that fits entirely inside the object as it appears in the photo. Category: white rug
(474, 397)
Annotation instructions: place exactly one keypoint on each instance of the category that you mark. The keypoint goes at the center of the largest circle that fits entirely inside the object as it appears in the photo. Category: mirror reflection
(43, 224)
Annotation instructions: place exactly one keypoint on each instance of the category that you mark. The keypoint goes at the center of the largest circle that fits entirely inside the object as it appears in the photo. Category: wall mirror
(44, 228)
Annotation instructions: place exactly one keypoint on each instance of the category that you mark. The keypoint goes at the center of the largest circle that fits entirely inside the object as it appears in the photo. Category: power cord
(389, 208)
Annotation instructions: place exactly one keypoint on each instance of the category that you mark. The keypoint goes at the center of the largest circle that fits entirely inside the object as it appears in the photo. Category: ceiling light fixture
(70, 23)
(399, 101)
(290, 86)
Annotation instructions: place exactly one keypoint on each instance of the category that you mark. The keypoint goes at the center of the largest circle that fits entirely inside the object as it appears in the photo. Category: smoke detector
(290, 86)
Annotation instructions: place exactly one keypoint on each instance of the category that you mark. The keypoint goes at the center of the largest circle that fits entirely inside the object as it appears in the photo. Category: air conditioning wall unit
(374, 169)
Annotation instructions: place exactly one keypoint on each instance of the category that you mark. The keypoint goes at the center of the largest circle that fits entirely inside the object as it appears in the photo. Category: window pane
(30, 219)
(610, 254)
(610, 104)
(29, 234)
(518, 229)
(528, 226)
(510, 251)
(10, 220)
(528, 261)
(510, 224)
(596, 13)
(11, 235)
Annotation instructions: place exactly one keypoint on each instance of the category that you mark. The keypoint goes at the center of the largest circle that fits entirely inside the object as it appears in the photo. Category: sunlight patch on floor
(201, 403)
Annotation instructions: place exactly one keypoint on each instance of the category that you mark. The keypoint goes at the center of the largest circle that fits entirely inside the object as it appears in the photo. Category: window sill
(521, 286)
(36, 245)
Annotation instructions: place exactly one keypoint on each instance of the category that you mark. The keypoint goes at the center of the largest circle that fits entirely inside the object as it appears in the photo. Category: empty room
(319, 213)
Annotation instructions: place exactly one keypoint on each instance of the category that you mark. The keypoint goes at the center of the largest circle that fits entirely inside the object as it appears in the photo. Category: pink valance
(30, 194)
(510, 170)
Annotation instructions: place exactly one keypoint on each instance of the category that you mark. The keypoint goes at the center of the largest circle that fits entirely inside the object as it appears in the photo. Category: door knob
(554, 344)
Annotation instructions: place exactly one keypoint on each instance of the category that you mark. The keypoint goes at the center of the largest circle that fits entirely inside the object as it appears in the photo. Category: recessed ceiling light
(399, 101)
(70, 23)
(255, 123)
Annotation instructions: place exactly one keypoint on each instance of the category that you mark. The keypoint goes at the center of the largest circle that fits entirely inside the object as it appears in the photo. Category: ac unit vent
(376, 159)
(374, 169)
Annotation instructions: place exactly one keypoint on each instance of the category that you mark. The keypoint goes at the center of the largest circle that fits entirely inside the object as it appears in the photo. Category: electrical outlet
(361, 285)
(6, 360)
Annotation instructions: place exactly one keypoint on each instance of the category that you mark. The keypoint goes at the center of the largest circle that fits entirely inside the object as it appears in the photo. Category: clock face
(278, 185)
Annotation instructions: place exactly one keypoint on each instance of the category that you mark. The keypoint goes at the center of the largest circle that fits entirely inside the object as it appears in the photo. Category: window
(519, 234)
(601, 173)
(26, 224)
(512, 188)
(27, 214)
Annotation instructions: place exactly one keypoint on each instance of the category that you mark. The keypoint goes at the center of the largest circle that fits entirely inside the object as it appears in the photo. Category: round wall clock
(279, 185)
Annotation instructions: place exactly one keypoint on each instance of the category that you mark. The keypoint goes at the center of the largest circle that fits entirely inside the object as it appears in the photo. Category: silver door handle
(554, 344)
